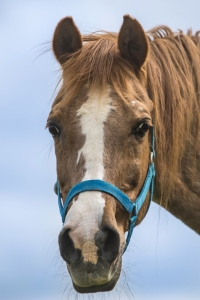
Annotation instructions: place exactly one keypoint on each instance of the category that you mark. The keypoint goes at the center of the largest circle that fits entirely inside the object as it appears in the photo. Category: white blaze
(85, 215)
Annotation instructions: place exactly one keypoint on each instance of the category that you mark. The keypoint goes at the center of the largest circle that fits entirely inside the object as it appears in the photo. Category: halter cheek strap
(103, 186)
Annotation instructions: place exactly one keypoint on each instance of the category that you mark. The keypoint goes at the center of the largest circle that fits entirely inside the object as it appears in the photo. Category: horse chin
(95, 288)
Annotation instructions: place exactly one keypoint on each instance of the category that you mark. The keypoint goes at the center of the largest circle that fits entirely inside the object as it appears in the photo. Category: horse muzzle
(94, 265)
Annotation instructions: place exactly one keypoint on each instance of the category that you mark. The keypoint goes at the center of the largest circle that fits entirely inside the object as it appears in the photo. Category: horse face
(98, 135)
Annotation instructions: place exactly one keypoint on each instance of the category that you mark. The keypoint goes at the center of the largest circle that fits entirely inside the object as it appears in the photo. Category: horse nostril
(67, 249)
(108, 241)
(111, 244)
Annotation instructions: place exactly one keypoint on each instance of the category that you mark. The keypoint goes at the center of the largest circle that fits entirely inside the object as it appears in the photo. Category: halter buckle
(151, 157)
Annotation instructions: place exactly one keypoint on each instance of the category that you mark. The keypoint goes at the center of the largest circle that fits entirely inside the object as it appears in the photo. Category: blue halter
(103, 186)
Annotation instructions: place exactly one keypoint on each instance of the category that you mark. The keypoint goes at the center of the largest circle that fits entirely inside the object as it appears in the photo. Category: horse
(120, 94)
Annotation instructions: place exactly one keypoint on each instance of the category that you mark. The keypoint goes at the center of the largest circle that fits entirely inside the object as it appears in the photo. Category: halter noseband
(103, 186)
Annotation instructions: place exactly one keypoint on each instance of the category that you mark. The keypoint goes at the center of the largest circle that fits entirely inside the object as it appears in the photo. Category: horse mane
(173, 70)
(173, 74)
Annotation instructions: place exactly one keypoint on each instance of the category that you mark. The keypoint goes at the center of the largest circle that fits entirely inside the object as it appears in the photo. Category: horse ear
(67, 39)
(132, 42)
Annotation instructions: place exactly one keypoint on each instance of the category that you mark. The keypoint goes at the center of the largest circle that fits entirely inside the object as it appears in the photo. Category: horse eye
(54, 130)
(141, 130)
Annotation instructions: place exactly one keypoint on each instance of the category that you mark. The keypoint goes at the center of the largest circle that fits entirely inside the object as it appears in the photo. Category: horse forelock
(97, 64)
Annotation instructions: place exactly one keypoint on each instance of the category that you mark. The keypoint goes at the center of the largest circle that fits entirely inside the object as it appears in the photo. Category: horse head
(100, 123)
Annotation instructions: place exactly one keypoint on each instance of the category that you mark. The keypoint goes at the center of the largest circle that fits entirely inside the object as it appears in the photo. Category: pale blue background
(163, 260)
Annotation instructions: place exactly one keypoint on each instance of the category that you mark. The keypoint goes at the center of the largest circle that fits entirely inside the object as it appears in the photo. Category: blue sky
(163, 260)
